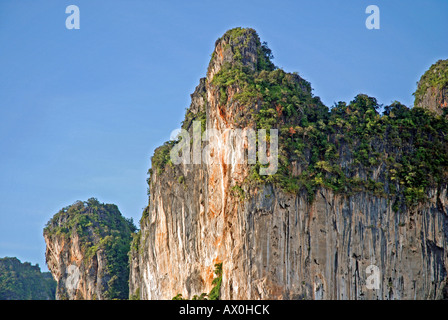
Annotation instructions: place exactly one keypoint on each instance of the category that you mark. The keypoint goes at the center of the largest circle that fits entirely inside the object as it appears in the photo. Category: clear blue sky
(81, 111)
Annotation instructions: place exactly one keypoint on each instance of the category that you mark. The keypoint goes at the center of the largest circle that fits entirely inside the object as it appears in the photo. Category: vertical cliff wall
(347, 194)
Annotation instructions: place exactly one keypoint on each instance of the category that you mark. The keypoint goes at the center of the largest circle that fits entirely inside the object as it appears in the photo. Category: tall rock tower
(432, 90)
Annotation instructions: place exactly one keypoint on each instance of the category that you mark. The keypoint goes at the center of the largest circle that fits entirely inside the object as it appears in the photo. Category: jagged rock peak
(353, 190)
(432, 89)
(240, 46)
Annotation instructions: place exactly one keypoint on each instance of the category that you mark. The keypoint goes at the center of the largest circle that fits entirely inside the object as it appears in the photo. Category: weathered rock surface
(274, 244)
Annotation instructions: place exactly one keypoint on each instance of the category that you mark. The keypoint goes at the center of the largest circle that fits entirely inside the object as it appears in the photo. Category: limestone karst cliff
(354, 188)
(87, 251)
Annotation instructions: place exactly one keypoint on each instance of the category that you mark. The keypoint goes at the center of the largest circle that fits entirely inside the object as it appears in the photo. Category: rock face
(87, 246)
(432, 90)
(275, 243)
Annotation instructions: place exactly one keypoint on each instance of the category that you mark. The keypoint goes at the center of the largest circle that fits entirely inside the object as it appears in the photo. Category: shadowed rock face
(276, 244)
(432, 90)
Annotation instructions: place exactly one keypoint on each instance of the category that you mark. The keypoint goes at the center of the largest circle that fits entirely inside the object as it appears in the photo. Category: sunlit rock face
(276, 244)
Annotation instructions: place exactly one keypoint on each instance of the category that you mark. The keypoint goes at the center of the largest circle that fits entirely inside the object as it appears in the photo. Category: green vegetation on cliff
(23, 281)
(436, 77)
(100, 227)
(215, 293)
(400, 154)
